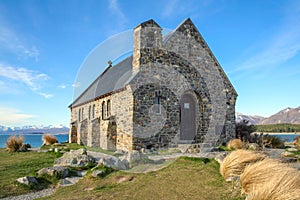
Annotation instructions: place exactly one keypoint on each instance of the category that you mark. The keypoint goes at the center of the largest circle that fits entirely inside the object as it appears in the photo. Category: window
(82, 111)
(108, 108)
(93, 111)
(103, 110)
(79, 114)
(89, 112)
(157, 101)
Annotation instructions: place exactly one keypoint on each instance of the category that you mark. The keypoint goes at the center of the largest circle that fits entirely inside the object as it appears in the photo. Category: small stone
(254, 147)
(27, 180)
(292, 149)
(97, 173)
(286, 153)
(56, 150)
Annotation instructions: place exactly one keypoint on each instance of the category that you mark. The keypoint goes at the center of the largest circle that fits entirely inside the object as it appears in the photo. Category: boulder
(27, 180)
(57, 171)
(133, 156)
(220, 157)
(75, 158)
(112, 162)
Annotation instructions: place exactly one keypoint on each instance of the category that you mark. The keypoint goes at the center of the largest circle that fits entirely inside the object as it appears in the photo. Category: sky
(43, 45)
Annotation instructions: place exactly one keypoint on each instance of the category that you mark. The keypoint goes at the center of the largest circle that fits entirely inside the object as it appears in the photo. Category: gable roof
(112, 79)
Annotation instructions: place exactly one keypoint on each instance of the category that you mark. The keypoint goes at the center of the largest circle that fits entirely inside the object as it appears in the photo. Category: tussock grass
(267, 173)
(286, 186)
(297, 142)
(14, 143)
(235, 144)
(49, 139)
(235, 163)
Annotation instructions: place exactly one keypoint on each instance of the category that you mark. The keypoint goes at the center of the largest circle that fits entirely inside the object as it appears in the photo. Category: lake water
(35, 140)
(286, 137)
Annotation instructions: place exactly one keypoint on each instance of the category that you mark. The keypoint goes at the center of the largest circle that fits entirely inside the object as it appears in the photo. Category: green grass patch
(185, 178)
(20, 164)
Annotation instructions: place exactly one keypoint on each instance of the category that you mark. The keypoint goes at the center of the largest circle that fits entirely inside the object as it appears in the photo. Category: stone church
(170, 92)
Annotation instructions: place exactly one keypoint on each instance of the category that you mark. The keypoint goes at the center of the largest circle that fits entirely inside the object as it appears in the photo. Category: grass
(49, 139)
(14, 143)
(19, 164)
(235, 162)
(186, 178)
(235, 144)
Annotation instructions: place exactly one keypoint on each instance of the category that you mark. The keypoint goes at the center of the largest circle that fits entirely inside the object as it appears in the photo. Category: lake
(35, 140)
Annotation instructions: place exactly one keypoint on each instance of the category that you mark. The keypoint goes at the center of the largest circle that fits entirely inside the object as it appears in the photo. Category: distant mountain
(252, 119)
(34, 129)
(288, 115)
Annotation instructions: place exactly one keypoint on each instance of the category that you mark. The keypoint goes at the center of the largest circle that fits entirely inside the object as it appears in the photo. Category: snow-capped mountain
(35, 129)
(288, 115)
(252, 119)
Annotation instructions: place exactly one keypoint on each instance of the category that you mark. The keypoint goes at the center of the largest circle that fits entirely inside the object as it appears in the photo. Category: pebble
(33, 195)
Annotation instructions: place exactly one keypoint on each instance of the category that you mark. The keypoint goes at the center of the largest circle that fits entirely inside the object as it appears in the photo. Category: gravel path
(33, 195)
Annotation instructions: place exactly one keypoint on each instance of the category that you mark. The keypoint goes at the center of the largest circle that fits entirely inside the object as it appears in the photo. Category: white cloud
(45, 95)
(76, 84)
(116, 10)
(30, 78)
(62, 86)
(12, 42)
(11, 116)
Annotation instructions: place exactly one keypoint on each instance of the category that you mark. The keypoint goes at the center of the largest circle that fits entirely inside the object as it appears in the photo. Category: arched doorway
(188, 117)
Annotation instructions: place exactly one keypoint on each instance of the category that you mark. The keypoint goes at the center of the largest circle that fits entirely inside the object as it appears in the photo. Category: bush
(265, 173)
(235, 162)
(14, 143)
(49, 139)
(297, 142)
(235, 144)
(272, 142)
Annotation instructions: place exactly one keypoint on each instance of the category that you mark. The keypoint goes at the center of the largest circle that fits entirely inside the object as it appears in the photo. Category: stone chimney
(147, 36)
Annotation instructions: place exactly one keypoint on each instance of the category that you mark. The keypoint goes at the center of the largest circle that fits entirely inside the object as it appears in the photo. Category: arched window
(157, 101)
(93, 111)
(108, 108)
(79, 114)
(82, 112)
(89, 112)
(103, 110)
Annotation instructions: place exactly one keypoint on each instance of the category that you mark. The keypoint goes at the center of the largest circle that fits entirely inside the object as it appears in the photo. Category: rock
(69, 181)
(286, 153)
(254, 147)
(96, 173)
(112, 162)
(81, 173)
(132, 156)
(75, 158)
(232, 178)
(288, 159)
(118, 152)
(220, 157)
(292, 149)
(57, 171)
(27, 180)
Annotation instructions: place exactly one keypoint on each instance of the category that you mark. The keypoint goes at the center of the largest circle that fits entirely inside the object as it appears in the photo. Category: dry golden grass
(285, 184)
(235, 144)
(49, 139)
(260, 174)
(297, 142)
(235, 163)
(14, 143)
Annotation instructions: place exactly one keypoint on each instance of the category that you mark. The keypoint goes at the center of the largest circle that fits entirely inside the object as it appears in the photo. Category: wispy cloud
(30, 78)
(62, 86)
(11, 116)
(76, 84)
(45, 95)
(281, 47)
(115, 9)
(12, 42)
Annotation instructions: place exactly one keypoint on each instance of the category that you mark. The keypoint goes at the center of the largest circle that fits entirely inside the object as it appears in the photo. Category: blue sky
(44, 43)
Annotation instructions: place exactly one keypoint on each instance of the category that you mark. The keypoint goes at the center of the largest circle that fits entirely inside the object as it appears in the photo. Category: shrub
(297, 142)
(235, 144)
(235, 162)
(49, 139)
(261, 173)
(14, 143)
(272, 142)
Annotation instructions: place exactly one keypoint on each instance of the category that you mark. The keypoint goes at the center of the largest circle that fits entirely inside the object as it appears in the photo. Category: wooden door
(188, 117)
